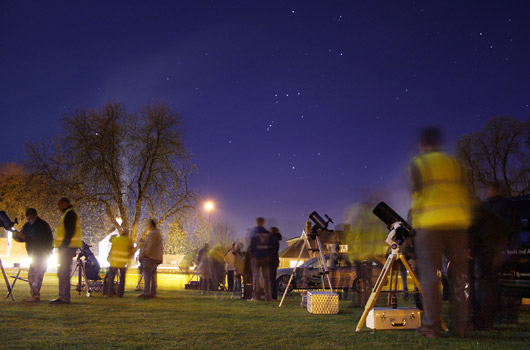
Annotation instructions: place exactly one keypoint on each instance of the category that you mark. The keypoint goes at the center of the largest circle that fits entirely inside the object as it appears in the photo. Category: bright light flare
(53, 261)
(208, 206)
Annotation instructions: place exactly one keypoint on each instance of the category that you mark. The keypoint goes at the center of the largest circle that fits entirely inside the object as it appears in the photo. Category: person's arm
(47, 235)
(70, 220)
(22, 235)
(148, 243)
(19, 236)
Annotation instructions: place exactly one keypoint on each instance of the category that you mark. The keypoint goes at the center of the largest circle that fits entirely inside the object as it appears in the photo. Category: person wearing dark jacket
(68, 238)
(500, 203)
(261, 244)
(39, 244)
(488, 235)
(275, 261)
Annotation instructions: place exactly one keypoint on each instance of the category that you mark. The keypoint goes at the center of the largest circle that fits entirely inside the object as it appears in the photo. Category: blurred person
(121, 252)
(367, 241)
(261, 244)
(229, 271)
(275, 260)
(488, 235)
(248, 283)
(441, 215)
(500, 203)
(68, 238)
(140, 244)
(37, 235)
(204, 268)
(216, 268)
(238, 275)
(151, 255)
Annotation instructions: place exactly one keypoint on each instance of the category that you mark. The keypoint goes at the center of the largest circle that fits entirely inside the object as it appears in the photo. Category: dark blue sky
(287, 106)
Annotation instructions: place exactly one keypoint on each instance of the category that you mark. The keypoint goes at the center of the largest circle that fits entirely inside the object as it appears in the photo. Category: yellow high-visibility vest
(368, 236)
(442, 202)
(77, 238)
(119, 253)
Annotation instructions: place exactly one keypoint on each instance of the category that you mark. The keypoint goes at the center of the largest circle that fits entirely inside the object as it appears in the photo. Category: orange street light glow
(208, 206)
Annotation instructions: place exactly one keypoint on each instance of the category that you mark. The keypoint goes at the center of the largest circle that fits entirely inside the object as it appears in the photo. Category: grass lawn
(180, 319)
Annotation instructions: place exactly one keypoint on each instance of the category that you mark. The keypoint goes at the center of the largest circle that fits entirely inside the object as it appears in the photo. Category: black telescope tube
(319, 222)
(389, 216)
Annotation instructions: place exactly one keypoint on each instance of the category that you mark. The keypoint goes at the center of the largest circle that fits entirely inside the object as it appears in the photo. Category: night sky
(287, 106)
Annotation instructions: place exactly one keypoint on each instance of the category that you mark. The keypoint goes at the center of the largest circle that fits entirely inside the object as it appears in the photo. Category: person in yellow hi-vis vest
(68, 238)
(366, 243)
(120, 253)
(441, 215)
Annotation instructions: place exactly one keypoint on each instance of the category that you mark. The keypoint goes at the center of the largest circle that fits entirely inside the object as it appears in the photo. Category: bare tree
(498, 153)
(223, 233)
(18, 192)
(132, 165)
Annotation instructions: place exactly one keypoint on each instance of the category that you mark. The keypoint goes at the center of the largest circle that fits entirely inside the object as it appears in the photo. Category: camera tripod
(321, 260)
(389, 270)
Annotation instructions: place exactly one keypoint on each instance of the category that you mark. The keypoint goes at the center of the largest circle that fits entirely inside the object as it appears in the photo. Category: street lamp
(209, 207)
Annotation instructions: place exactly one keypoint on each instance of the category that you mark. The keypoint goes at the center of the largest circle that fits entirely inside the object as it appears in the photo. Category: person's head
(260, 222)
(274, 230)
(31, 215)
(63, 204)
(151, 224)
(430, 138)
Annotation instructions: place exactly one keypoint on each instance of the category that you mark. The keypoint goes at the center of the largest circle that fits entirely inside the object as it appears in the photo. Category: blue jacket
(261, 243)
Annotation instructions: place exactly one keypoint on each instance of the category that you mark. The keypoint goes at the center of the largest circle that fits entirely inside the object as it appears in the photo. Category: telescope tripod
(389, 270)
(81, 274)
(8, 285)
(321, 261)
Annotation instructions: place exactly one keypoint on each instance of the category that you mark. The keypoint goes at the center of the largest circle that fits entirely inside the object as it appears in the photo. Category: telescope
(400, 229)
(320, 224)
(6, 223)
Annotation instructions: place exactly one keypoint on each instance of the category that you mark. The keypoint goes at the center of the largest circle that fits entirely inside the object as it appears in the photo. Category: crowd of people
(37, 235)
(247, 274)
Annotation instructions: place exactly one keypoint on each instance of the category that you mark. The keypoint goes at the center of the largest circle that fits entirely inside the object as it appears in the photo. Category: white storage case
(388, 318)
(322, 303)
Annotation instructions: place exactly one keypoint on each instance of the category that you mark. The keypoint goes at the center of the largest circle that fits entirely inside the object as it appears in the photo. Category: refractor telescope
(400, 230)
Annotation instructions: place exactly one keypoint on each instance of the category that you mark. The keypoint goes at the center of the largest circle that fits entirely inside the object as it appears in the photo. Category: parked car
(342, 273)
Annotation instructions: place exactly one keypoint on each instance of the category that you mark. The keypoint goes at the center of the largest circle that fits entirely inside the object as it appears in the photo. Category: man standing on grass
(68, 238)
(441, 215)
(39, 244)
(261, 245)
(151, 255)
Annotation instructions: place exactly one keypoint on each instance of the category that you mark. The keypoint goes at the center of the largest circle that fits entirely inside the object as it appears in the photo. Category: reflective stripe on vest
(442, 201)
(77, 238)
(119, 253)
